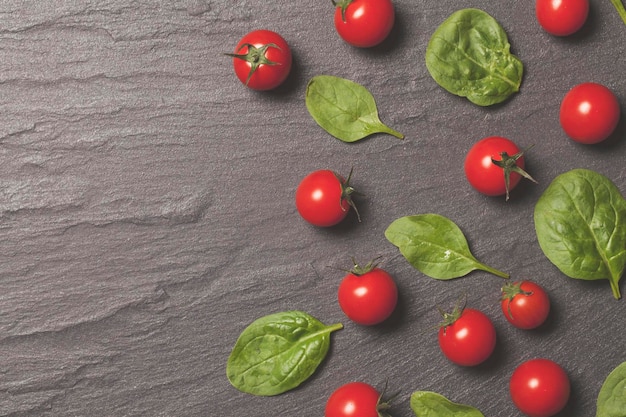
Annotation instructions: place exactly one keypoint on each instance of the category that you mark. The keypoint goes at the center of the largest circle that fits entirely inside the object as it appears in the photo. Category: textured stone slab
(147, 216)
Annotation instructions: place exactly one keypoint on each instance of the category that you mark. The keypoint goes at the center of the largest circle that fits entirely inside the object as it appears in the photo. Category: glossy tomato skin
(470, 340)
(266, 76)
(485, 176)
(589, 113)
(354, 399)
(367, 22)
(539, 388)
(563, 17)
(525, 304)
(368, 298)
(320, 198)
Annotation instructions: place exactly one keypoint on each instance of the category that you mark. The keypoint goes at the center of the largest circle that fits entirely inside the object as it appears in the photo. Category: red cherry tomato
(467, 337)
(539, 388)
(355, 399)
(323, 198)
(589, 113)
(490, 161)
(561, 17)
(262, 60)
(364, 23)
(525, 304)
(368, 295)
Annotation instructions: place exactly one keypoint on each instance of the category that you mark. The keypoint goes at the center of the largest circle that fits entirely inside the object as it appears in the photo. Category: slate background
(147, 215)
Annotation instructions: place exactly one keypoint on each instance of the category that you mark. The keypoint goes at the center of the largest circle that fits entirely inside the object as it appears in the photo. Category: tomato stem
(508, 165)
(450, 318)
(383, 404)
(344, 5)
(347, 191)
(255, 56)
(510, 291)
(359, 270)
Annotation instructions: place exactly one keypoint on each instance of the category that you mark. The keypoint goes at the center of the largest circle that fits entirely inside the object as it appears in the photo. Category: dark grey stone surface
(147, 214)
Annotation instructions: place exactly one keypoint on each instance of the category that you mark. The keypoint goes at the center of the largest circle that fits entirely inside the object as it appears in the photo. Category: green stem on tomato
(620, 9)
(344, 5)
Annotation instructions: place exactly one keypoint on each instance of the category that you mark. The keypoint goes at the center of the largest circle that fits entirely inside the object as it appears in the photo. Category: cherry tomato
(262, 60)
(525, 304)
(589, 113)
(467, 337)
(324, 198)
(561, 17)
(494, 166)
(368, 295)
(539, 388)
(364, 23)
(355, 399)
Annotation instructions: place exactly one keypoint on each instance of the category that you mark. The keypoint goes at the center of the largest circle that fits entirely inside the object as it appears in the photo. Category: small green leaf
(431, 404)
(278, 352)
(469, 55)
(436, 246)
(344, 109)
(612, 398)
(580, 221)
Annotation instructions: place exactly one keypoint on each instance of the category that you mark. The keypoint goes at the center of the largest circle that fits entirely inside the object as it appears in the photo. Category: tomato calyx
(512, 290)
(347, 191)
(450, 318)
(360, 270)
(255, 56)
(508, 163)
(509, 291)
(382, 405)
(344, 5)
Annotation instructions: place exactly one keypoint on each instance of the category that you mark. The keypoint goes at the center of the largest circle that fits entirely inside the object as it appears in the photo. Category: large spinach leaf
(344, 109)
(436, 246)
(278, 352)
(612, 398)
(580, 221)
(431, 404)
(469, 55)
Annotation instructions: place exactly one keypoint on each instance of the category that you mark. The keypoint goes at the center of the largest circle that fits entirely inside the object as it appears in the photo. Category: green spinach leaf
(469, 55)
(344, 109)
(580, 221)
(612, 398)
(278, 352)
(436, 246)
(431, 404)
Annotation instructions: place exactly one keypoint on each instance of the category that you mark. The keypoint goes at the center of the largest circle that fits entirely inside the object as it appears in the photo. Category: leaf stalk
(495, 272)
(619, 6)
